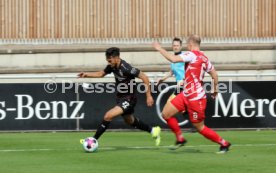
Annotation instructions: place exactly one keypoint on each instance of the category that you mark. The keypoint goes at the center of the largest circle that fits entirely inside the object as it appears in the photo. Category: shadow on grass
(127, 148)
(161, 149)
(185, 150)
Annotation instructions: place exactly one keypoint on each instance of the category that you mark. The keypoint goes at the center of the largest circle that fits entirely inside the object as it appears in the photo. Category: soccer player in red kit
(193, 97)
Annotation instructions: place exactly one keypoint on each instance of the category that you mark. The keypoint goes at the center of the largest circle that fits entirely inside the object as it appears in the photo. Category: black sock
(141, 125)
(101, 129)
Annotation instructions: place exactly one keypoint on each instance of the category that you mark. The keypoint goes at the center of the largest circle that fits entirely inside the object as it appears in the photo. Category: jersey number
(195, 116)
(125, 104)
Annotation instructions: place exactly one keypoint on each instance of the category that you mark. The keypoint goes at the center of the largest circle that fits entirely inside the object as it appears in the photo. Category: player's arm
(214, 76)
(164, 78)
(167, 55)
(97, 74)
(145, 79)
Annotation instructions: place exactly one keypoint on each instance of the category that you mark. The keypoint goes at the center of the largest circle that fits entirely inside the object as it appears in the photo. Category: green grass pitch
(134, 152)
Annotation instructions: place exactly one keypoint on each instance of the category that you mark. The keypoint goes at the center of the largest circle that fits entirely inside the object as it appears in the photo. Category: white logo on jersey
(133, 71)
(125, 104)
(121, 73)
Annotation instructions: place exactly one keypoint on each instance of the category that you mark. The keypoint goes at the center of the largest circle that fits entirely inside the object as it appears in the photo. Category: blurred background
(71, 35)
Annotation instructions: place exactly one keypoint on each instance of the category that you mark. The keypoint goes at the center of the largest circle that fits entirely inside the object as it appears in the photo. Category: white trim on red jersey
(196, 66)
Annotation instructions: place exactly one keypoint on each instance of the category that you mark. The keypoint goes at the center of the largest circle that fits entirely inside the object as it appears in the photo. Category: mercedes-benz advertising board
(69, 106)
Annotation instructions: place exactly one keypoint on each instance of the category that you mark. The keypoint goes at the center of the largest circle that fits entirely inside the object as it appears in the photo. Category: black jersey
(125, 78)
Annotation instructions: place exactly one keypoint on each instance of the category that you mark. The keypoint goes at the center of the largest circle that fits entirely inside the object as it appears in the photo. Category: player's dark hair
(112, 52)
(177, 39)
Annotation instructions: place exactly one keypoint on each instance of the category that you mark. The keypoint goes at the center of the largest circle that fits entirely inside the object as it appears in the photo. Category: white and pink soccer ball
(90, 144)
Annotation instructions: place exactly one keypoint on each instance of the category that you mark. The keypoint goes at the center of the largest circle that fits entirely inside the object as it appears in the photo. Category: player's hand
(150, 101)
(81, 75)
(214, 94)
(159, 81)
(180, 83)
(156, 46)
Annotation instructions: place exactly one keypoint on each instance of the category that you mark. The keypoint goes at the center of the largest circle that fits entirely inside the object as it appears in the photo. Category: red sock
(173, 124)
(213, 136)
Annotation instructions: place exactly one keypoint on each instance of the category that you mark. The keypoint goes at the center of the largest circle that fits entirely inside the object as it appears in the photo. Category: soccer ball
(90, 144)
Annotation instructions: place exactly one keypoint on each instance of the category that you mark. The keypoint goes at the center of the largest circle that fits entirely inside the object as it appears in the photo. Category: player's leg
(197, 115)
(138, 124)
(170, 109)
(128, 105)
(182, 111)
(213, 136)
(209, 133)
(109, 115)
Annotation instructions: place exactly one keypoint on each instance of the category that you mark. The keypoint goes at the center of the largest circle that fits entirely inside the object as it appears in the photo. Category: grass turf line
(134, 152)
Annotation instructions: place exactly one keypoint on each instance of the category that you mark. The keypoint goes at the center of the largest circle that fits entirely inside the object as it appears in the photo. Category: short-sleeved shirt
(196, 64)
(125, 78)
(178, 69)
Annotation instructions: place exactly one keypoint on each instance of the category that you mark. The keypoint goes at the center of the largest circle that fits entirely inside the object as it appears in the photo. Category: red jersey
(195, 67)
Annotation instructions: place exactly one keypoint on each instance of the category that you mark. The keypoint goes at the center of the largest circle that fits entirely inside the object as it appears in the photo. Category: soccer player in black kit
(126, 100)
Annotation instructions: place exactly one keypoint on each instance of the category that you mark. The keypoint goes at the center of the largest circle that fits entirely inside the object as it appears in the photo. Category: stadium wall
(148, 60)
(62, 19)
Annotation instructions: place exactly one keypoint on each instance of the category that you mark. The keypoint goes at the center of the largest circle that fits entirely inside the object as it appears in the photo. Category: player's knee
(108, 117)
(128, 120)
(165, 115)
(199, 126)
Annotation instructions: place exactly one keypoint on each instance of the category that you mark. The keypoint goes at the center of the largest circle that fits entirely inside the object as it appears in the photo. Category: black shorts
(127, 103)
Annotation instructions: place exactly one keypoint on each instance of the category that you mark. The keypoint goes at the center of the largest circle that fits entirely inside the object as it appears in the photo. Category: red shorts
(196, 108)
